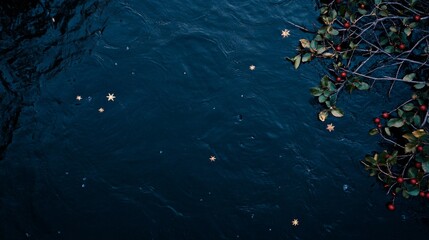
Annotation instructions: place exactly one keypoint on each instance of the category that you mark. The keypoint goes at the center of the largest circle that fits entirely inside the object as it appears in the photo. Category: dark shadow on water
(31, 31)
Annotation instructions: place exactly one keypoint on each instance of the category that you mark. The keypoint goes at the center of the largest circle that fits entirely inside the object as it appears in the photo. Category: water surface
(180, 72)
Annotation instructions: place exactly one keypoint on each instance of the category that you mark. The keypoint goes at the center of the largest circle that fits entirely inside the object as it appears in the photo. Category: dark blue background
(180, 71)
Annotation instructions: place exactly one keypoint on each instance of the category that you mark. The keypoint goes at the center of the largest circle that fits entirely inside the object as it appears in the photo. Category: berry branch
(367, 42)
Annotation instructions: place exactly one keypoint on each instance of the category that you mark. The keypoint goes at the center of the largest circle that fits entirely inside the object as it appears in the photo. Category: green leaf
(321, 50)
(413, 191)
(389, 49)
(363, 86)
(377, 2)
(328, 55)
(337, 112)
(327, 93)
(384, 13)
(413, 25)
(306, 57)
(331, 86)
(425, 166)
(373, 131)
(313, 45)
(318, 37)
(332, 31)
(419, 85)
(324, 81)
(405, 194)
(333, 98)
(322, 98)
(297, 61)
(412, 172)
(409, 77)
(410, 147)
(417, 120)
(362, 11)
(383, 41)
(408, 107)
(395, 122)
(408, 31)
(315, 91)
(333, 14)
(387, 130)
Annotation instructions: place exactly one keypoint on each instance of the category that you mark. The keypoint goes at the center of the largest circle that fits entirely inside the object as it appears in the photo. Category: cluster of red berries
(412, 180)
(386, 115)
(342, 76)
(391, 205)
(377, 120)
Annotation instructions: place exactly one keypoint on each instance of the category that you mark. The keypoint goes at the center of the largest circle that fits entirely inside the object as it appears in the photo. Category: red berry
(400, 180)
(343, 74)
(338, 48)
(421, 194)
(427, 195)
(417, 18)
(418, 165)
(413, 181)
(338, 1)
(339, 79)
(346, 24)
(402, 46)
(387, 156)
(390, 206)
(362, 6)
(386, 115)
(377, 120)
(423, 108)
(420, 148)
(379, 125)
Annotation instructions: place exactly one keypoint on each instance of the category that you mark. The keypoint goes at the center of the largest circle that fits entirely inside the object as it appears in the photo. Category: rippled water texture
(180, 72)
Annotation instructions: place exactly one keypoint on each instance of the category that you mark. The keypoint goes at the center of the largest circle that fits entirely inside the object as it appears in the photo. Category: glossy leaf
(408, 31)
(306, 57)
(337, 112)
(389, 49)
(412, 172)
(387, 130)
(419, 133)
(409, 77)
(297, 61)
(410, 147)
(373, 132)
(315, 91)
(395, 122)
(408, 107)
(425, 166)
(419, 85)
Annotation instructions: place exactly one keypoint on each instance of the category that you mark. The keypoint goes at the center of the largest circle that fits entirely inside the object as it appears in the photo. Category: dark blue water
(184, 92)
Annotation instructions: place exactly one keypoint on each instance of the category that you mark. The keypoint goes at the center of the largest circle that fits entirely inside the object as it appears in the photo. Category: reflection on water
(184, 92)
